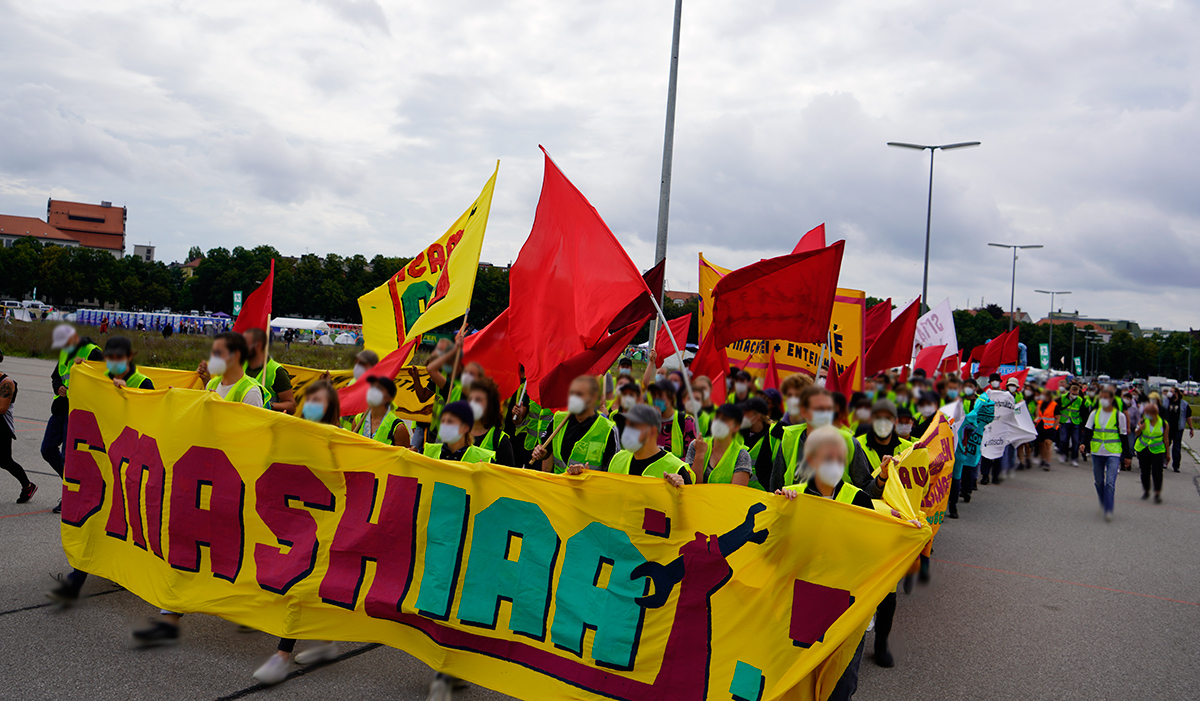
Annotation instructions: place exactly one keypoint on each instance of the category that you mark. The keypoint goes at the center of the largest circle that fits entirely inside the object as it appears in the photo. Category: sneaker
(985, 480)
(30, 489)
(1146, 494)
(1108, 516)
(58, 508)
(325, 652)
(883, 657)
(1177, 469)
(440, 689)
(966, 497)
(66, 593)
(1046, 466)
(155, 634)
(1074, 463)
(909, 580)
(273, 671)
(1157, 498)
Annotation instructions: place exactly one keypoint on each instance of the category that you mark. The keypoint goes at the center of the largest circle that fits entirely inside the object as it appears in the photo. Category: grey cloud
(365, 13)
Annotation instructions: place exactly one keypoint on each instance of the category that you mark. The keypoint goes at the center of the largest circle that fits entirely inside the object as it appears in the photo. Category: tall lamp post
(1013, 296)
(929, 204)
(664, 192)
(1052, 293)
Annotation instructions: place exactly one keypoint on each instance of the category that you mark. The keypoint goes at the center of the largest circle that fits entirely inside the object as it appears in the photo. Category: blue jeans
(1069, 443)
(1105, 469)
(54, 442)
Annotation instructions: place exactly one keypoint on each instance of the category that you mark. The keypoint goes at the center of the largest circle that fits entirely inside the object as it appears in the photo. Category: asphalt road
(1033, 596)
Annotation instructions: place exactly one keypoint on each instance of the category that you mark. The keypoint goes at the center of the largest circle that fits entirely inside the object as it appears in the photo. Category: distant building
(1018, 316)
(146, 253)
(1106, 327)
(14, 228)
(681, 298)
(92, 225)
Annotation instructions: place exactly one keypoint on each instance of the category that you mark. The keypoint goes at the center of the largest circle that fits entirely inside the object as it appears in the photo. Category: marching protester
(880, 439)
(454, 437)
(629, 395)
(488, 430)
(587, 439)
(71, 348)
(1045, 418)
(702, 387)
(379, 422)
(792, 387)
(640, 453)
(817, 410)
(1105, 432)
(1151, 449)
(742, 382)
(677, 429)
(756, 436)
(927, 406)
(364, 361)
(8, 397)
(1071, 419)
(270, 374)
(723, 458)
(225, 368)
(1178, 415)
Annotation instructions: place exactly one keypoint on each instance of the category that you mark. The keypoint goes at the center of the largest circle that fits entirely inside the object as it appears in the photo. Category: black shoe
(157, 633)
(27, 493)
(923, 573)
(997, 480)
(883, 657)
(1157, 498)
(57, 509)
(1177, 469)
(966, 497)
(952, 514)
(986, 480)
(908, 583)
(1146, 494)
(66, 593)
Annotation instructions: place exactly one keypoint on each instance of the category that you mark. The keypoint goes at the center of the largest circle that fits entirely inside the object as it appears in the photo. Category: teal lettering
(413, 302)
(444, 540)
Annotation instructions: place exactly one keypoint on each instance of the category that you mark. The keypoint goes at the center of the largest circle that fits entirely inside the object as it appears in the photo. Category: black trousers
(6, 458)
(1176, 447)
(1151, 465)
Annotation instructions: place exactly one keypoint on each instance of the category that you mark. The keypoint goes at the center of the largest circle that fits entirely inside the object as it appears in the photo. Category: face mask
(374, 397)
(625, 371)
(793, 406)
(746, 422)
(901, 398)
(359, 370)
(575, 404)
(69, 350)
(830, 472)
(1028, 393)
(883, 427)
(995, 384)
(821, 419)
(862, 414)
(904, 430)
(477, 409)
(312, 411)
(951, 394)
(467, 379)
(969, 391)
(117, 367)
(675, 384)
(870, 394)
(631, 439)
(927, 410)
(1091, 394)
(659, 377)
(1013, 390)
(628, 401)
(449, 434)
(704, 395)
(660, 404)
(216, 366)
(692, 406)
(1105, 402)
(741, 387)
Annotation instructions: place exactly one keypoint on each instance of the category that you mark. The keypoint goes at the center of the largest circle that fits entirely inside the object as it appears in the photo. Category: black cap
(386, 384)
(625, 362)
(903, 413)
(631, 386)
(755, 404)
(919, 372)
(460, 410)
(994, 377)
(118, 345)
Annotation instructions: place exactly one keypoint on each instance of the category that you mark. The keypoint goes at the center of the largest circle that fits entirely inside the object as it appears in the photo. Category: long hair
(333, 409)
(491, 408)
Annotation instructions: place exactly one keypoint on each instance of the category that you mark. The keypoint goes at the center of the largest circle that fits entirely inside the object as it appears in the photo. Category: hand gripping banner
(540, 586)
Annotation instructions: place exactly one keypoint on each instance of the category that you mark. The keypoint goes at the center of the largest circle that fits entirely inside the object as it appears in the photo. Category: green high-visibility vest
(667, 464)
(472, 454)
(845, 493)
(537, 422)
(588, 450)
(266, 378)
(1107, 437)
(704, 419)
(722, 473)
(1070, 408)
(135, 379)
(238, 392)
(66, 362)
(492, 438)
(678, 449)
(791, 452)
(382, 432)
(875, 458)
(1151, 438)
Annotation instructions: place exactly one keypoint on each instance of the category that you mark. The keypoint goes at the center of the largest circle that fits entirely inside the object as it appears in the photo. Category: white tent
(346, 339)
(299, 324)
(324, 340)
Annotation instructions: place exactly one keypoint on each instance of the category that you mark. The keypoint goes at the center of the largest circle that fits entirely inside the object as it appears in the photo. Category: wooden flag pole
(458, 352)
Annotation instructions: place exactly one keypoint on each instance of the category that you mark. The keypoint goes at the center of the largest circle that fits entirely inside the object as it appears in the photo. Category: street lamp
(929, 205)
(1012, 298)
(1052, 293)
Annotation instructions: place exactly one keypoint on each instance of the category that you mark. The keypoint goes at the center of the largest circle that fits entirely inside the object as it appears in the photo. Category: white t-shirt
(1100, 417)
(253, 395)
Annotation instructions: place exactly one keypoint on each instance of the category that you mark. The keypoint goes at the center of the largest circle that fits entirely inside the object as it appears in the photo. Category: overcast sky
(356, 126)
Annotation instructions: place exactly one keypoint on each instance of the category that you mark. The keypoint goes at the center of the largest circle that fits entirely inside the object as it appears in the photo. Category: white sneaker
(273, 671)
(440, 690)
(1074, 463)
(325, 652)
(1107, 515)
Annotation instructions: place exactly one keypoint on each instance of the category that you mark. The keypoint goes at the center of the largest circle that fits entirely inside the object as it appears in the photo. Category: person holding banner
(640, 452)
(1151, 449)
(70, 348)
(880, 440)
(487, 433)
(1105, 431)
(580, 436)
(454, 437)
(226, 373)
(723, 459)
(379, 422)
(8, 395)
(817, 411)
(270, 374)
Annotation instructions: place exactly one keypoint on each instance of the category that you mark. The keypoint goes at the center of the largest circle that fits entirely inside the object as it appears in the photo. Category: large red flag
(712, 361)
(353, 398)
(841, 382)
(662, 342)
(554, 385)
(814, 240)
(643, 306)
(876, 320)
(491, 349)
(571, 279)
(772, 379)
(256, 310)
(1000, 350)
(929, 359)
(894, 346)
(950, 364)
(789, 298)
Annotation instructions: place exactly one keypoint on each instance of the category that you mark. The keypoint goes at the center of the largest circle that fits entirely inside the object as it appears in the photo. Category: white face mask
(862, 414)
(467, 379)
(216, 366)
(1091, 395)
(793, 406)
(704, 395)
(720, 430)
(741, 387)
(1105, 402)
(575, 404)
(968, 391)
(904, 430)
(901, 398)
(821, 419)
(631, 439)
(628, 401)
(449, 434)
(624, 371)
(692, 406)
(359, 370)
(883, 427)
(746, 423)
(995, 384)
(477, 409)
(374, 397)
(830, 472)
(927, 410)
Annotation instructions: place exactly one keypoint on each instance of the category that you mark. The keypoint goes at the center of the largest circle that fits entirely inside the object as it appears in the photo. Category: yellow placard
(542, 586)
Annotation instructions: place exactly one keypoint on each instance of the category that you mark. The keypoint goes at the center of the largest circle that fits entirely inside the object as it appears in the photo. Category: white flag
(936, 328)
(1012, 425)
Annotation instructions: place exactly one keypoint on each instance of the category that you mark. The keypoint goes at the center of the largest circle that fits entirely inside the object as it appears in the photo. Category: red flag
(950, 364)
(1054, 383)
(491, 349)
(353, 398)
(876, 320)
(643, 306)
(812, 241)
(712, 361)
(662, 342)
(1021, 375)
(789, 297)
(894, 346)
(553, 387)
(976, 353)
(256, 310)
(842, 382)
(772, 379)
(929, 359)
(571, 279)
(1000, 350)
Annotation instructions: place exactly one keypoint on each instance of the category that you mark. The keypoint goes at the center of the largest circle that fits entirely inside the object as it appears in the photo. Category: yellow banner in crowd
(434, 288)
(414, 399)
(922, 477)
(542, 586)
(845, 335)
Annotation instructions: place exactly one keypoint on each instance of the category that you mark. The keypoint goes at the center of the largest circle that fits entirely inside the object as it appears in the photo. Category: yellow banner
(434, 288)
(542, 586)
(921, 478)
(845, 334)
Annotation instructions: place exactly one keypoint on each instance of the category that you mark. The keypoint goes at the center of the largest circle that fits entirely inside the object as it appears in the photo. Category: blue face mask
(69, 350)
(313, 411)
(660, 404)
(117, 367)
(951, 394)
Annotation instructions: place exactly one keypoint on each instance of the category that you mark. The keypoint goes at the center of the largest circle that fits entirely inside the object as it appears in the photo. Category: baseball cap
(62, 336)
(643, 415)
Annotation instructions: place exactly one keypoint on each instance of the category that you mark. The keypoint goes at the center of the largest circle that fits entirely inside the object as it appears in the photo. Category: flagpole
(457, 355)
(821, 362)
(687, 381)
(664, 193)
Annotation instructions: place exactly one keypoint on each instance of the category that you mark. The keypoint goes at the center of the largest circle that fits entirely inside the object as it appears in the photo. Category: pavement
(1033, 596)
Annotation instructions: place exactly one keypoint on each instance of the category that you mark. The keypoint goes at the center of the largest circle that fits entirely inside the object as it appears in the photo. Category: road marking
(27, 513)
(1093, 496)
(302, 671)
(1066, 581)
(53, 603)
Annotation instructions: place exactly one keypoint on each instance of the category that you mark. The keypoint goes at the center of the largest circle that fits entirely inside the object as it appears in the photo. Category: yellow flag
(434, 287)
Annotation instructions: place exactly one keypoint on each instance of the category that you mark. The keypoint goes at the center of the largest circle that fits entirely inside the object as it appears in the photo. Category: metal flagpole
(687, 381)
(664, 193)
